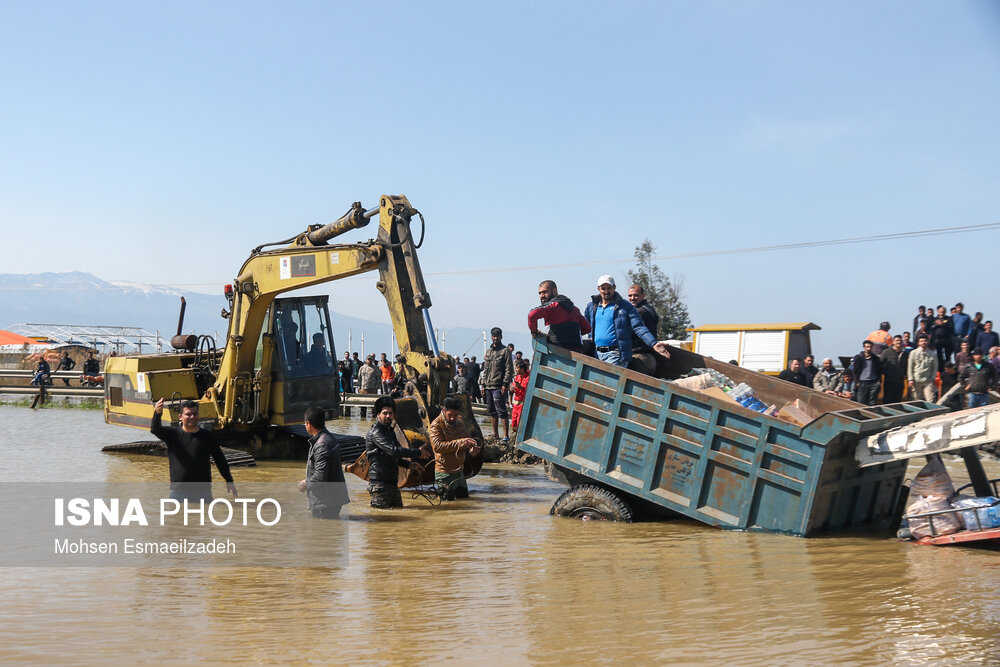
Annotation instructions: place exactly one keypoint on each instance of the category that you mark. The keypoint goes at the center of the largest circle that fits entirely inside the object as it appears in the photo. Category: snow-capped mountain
(78, 298)
(84, 299)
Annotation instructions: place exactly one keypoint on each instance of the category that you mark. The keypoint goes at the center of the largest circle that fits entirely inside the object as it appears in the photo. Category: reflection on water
(493, 580)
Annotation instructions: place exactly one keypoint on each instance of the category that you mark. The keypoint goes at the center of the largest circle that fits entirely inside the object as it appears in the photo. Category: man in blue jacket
(962, 324)
(613, 320)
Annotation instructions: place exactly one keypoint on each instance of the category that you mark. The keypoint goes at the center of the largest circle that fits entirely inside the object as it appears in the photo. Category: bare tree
(665, 295)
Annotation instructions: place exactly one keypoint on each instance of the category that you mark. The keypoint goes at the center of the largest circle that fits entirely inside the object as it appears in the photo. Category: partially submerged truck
(630, 443)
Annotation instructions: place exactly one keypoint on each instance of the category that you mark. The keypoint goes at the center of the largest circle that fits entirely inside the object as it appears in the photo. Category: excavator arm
(244, 392)
(310, 260)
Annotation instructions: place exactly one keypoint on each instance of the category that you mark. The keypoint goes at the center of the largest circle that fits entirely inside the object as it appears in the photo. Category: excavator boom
(262, 377)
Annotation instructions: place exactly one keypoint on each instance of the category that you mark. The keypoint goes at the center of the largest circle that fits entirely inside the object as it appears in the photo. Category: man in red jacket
(566, 322)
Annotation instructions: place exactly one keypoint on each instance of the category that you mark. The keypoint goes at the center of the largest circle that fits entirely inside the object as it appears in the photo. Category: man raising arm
(189, 450)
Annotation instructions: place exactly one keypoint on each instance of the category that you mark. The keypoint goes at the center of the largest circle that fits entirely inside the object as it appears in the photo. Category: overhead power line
(738, 251)
(874, 238)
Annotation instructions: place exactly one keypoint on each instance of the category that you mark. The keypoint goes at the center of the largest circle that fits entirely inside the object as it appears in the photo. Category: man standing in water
(324, 484)
(451, 442)
(189, 449)
(385, 455)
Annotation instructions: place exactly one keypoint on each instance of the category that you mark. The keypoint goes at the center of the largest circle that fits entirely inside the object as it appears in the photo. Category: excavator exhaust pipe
(182, 341)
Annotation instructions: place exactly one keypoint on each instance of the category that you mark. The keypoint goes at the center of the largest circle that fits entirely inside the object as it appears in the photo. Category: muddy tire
(588, 501)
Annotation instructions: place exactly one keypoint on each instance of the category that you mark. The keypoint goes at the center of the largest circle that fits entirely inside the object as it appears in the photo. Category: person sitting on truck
(643, 358)
(829, 380)
(385, 455)
(451, 443)
(793, 373)
(565, 321)
(613, 320)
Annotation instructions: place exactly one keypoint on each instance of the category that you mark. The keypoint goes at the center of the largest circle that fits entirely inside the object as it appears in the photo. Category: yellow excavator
(279, 356)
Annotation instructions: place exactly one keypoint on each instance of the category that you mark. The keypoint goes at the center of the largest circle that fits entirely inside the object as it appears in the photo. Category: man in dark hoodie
(565, 321)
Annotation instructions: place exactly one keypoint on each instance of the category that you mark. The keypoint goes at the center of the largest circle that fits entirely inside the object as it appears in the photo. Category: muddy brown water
(492, 580)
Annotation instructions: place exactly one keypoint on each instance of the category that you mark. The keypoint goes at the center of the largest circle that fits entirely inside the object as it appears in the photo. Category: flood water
(492, 580)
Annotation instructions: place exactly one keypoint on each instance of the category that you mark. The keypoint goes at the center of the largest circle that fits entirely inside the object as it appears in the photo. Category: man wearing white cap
(613, 320)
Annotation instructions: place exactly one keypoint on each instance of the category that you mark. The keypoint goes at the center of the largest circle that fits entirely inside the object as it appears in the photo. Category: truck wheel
(588, 501)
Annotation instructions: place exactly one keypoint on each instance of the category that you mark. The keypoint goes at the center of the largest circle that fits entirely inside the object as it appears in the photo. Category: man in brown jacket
(450, 441)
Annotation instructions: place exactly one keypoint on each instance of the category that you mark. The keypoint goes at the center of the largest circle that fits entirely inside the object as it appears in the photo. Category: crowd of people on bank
(947, 357)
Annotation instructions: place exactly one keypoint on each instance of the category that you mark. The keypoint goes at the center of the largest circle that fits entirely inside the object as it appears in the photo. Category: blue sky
(160, 143)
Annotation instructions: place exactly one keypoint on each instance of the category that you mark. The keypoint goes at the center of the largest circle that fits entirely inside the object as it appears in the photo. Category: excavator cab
(303, 369)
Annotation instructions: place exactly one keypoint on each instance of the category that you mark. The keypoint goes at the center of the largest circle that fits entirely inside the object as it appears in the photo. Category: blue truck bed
(665, 449)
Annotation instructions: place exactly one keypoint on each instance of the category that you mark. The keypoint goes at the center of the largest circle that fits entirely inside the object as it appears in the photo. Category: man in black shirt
(793, 373)
(189, 449)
